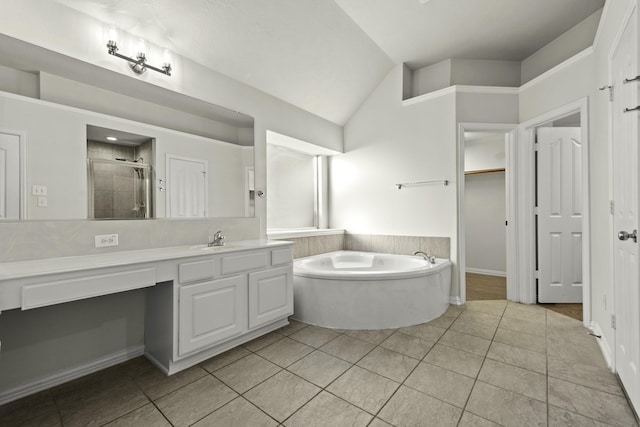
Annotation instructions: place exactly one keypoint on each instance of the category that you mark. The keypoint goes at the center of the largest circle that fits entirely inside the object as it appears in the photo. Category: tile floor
(489, 363)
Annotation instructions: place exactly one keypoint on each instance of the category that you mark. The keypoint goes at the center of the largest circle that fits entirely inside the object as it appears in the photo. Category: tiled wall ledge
(404, 245)
(29, 240)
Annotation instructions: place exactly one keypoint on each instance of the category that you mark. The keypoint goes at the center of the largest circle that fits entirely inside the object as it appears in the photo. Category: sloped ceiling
(326, 56)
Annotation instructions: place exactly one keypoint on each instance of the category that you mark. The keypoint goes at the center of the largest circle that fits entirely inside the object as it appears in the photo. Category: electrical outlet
(42, 202)
(39, 190)
(106, 240)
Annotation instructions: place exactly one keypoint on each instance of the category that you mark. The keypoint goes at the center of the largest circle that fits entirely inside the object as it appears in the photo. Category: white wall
(485, 72)
(566, 45)
(431, 78)
(484, 151)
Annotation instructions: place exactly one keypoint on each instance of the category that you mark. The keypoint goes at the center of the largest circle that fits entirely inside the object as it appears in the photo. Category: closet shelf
(484, 171)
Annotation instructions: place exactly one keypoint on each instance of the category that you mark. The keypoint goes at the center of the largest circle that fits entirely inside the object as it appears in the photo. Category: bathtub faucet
(427, 257)
(217, 239)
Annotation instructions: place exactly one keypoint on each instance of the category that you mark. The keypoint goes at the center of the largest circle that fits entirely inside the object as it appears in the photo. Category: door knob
(623, 235)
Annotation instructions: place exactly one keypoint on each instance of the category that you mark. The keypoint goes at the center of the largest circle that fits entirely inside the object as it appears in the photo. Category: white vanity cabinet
(218, 302)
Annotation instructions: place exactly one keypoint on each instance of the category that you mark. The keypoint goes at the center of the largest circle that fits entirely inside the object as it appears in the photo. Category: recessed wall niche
(119, 171)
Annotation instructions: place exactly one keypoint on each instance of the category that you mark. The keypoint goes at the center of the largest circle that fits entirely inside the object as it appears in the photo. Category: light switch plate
(106, 240)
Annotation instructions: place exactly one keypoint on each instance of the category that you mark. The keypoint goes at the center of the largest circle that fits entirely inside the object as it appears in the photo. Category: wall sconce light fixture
(139, 65)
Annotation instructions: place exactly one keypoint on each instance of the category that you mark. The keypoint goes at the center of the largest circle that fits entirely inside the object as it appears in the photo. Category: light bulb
(166, 57)
(142, 48)
(113, 34)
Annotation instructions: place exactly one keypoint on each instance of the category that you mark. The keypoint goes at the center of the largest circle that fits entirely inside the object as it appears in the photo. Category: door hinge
(536, 274)
(613, 321)
(535, 210)
(612, 209)
(536, 146)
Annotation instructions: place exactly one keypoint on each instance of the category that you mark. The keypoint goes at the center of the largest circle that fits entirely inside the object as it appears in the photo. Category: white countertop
(40, 267)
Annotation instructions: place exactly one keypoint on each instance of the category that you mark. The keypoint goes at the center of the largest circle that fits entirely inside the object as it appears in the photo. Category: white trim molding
(70, 374)
(455, 301)
(605, 348)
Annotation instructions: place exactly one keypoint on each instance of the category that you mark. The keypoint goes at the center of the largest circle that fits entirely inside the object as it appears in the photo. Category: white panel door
(625, 218)
(211, 312)
(559, 215)
(186, 187)
(9, 176)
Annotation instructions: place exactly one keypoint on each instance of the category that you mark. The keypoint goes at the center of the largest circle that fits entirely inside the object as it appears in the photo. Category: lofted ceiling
(326, 56)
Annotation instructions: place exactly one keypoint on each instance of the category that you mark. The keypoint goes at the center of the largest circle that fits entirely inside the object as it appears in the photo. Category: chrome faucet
(217, 239)
(427, 257)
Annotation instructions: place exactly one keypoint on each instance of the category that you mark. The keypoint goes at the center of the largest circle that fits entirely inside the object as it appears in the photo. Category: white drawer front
(62, 291)
(197, 270)
(281, 256)
(270, 295)
(244, 262)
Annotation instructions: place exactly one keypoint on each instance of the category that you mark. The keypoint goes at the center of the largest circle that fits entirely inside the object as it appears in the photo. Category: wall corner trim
(70, 374)
(603, 344)
(491, 90)
(561, 66)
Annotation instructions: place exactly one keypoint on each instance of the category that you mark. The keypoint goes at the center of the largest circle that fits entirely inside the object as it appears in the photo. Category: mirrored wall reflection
(119, 174)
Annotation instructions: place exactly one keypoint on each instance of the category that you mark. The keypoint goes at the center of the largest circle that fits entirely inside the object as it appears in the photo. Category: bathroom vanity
(200, 301)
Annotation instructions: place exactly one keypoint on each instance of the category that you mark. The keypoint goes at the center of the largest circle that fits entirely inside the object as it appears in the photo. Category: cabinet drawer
(270, 295)
(281, 256)
(197, 270)
(236, 263)
(211, 312)
(62, 291)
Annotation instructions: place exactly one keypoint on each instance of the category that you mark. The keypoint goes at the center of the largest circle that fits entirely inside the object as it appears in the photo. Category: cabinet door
(211, 312)
(270, 295)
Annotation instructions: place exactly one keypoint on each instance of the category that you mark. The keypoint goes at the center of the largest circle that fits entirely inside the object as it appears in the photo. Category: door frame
(510, 161)
(22, 150)
(526, 239)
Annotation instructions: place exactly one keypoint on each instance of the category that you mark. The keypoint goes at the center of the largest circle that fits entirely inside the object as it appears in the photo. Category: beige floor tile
(319, 368)
(563, 418)
(364, 389)
(523, 358)
(314, 336)
(454, 310)
(147, 416)
(468, 343)
(327, 410)
(441, 383)
(525, 326)
(100, 403)
(263, 341)
(505, 407)
(389, 364)
(424, 331)
(407, 345)
(347, 348)
(239, 412)
(525, 307)
(471, 327)
(518, 339)
(591, 403)
(443, 321)
(536, 316)
(224, 359)
(454, 360)
(246, 372)
(412, 408)
(583, 374)
(282, 395)
(371, 336)
(285, 352)
(512, 378)
(293, 326)
(495, 307)
(39, 406)
(155, 384)
(377, 422)
(471, 420)
(575, 346)
(480, 317)
(192, 402)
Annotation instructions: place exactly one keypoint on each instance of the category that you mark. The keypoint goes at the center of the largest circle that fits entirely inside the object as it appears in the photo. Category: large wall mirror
(79, 164)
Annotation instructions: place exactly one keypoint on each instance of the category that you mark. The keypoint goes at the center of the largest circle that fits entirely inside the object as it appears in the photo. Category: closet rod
(413, 184)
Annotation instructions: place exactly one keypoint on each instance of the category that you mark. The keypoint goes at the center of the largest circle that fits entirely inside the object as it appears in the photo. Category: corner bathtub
(366, 290)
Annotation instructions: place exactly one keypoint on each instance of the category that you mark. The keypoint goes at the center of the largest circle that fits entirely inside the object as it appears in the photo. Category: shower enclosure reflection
(119, 174)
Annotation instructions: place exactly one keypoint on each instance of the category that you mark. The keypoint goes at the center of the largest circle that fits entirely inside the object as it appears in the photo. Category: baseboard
(455, 300)
(604, 345)
(486, 272)
(70, 374)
